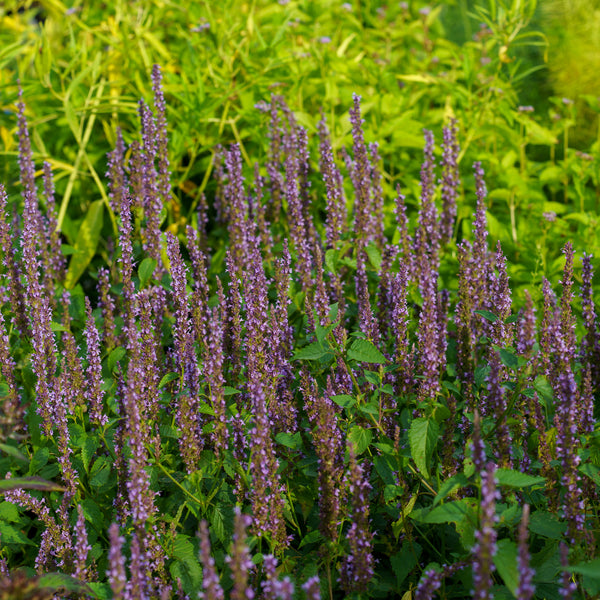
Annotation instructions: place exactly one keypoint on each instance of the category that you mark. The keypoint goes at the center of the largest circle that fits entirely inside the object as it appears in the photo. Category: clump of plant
(324, 400)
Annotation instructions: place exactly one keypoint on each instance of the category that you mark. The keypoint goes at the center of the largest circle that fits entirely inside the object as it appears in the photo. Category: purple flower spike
(81, 546)
(210, 578)
(93, 390)
(356, 570)
(240, 560)
(485, 547)
(116, 561)
(450, 180)
(526, 589)
(312, 588)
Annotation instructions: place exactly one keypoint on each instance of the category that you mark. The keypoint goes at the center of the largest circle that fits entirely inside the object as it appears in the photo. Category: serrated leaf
(167, 379)
(114, 357)
(344, 400)
(145, 270)
(11, 535)
(365, 351)
(589, 569)
(451, 512)
(505, 560)
(313, 351)
(290, 441)
(30, 483)
(508, 359)
(14, 452)
(374, 256)
(516, 479)
(547, 525)
(86, 242)
(360, 438)
(311, 538)
(486, 314)
(331, 259)
(229, 391)
(455, 482)
(422, 437)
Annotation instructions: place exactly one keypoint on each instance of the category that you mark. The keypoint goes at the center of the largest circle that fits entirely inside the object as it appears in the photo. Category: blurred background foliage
(501, 68)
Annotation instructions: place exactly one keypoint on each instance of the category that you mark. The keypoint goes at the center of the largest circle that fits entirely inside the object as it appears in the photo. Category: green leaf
(290, 441)
(486, 314)
(145, 271)
(30, 483)
(86, 243)
(366, 351)
(229, 391)
(167, 379)
(344, 400)
(114, 357)
(547, 525)
(14, 452)
(404, 561)
(11, 535)
(311, 538)
(451, 512)
(589, 569)
(422, 437)
(360, 438)
(63, 581)
(456, 481)
(331, 259)
(385, 471)
(516, 479)
(314, 351)
(374, 256)
(508, 359)
(505, 560)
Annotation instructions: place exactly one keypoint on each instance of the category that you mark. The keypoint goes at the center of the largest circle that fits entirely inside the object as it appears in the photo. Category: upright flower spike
(525, 589)
(590, 344)
(335, 223)
(107, 304)
(427, 235)
(360, 176)
(160, 106)
(117, 179)
(239, 560)
(328, 442)
(12, 411)
(117, 577)
(12, 276)
(81, 547)
(297, 224)
(450, 180)
(93, 390)
(356, 571)
(486, 536)
(54, 259)
(210, 578)
(526, 327)
(376, 217)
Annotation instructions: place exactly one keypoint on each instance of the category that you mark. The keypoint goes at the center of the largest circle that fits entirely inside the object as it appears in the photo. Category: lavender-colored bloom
(526, 327)
(428, 585)
(273, 587)
(210, 578)
(590, 344)
(55, 546)
(13, 270)
(360, 174)
(12, 409)
(138, 586)
(239, 560)
(81, 546)
(567, 320)
(94, 394)
(336, 203)
(117, 578)
(525, 589)
(182, 332)
(485, 546)
(427, 235)
(377, 212)
(117, 180)
(450, 180)
(478, 447)
(299, 228)
(328, 442)
(356, 570)
(431, 360)
(568, 587)
(160, 106)
(495, 404)
(107, 304)
(366, 318)
(312, 588)
(53, 256)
